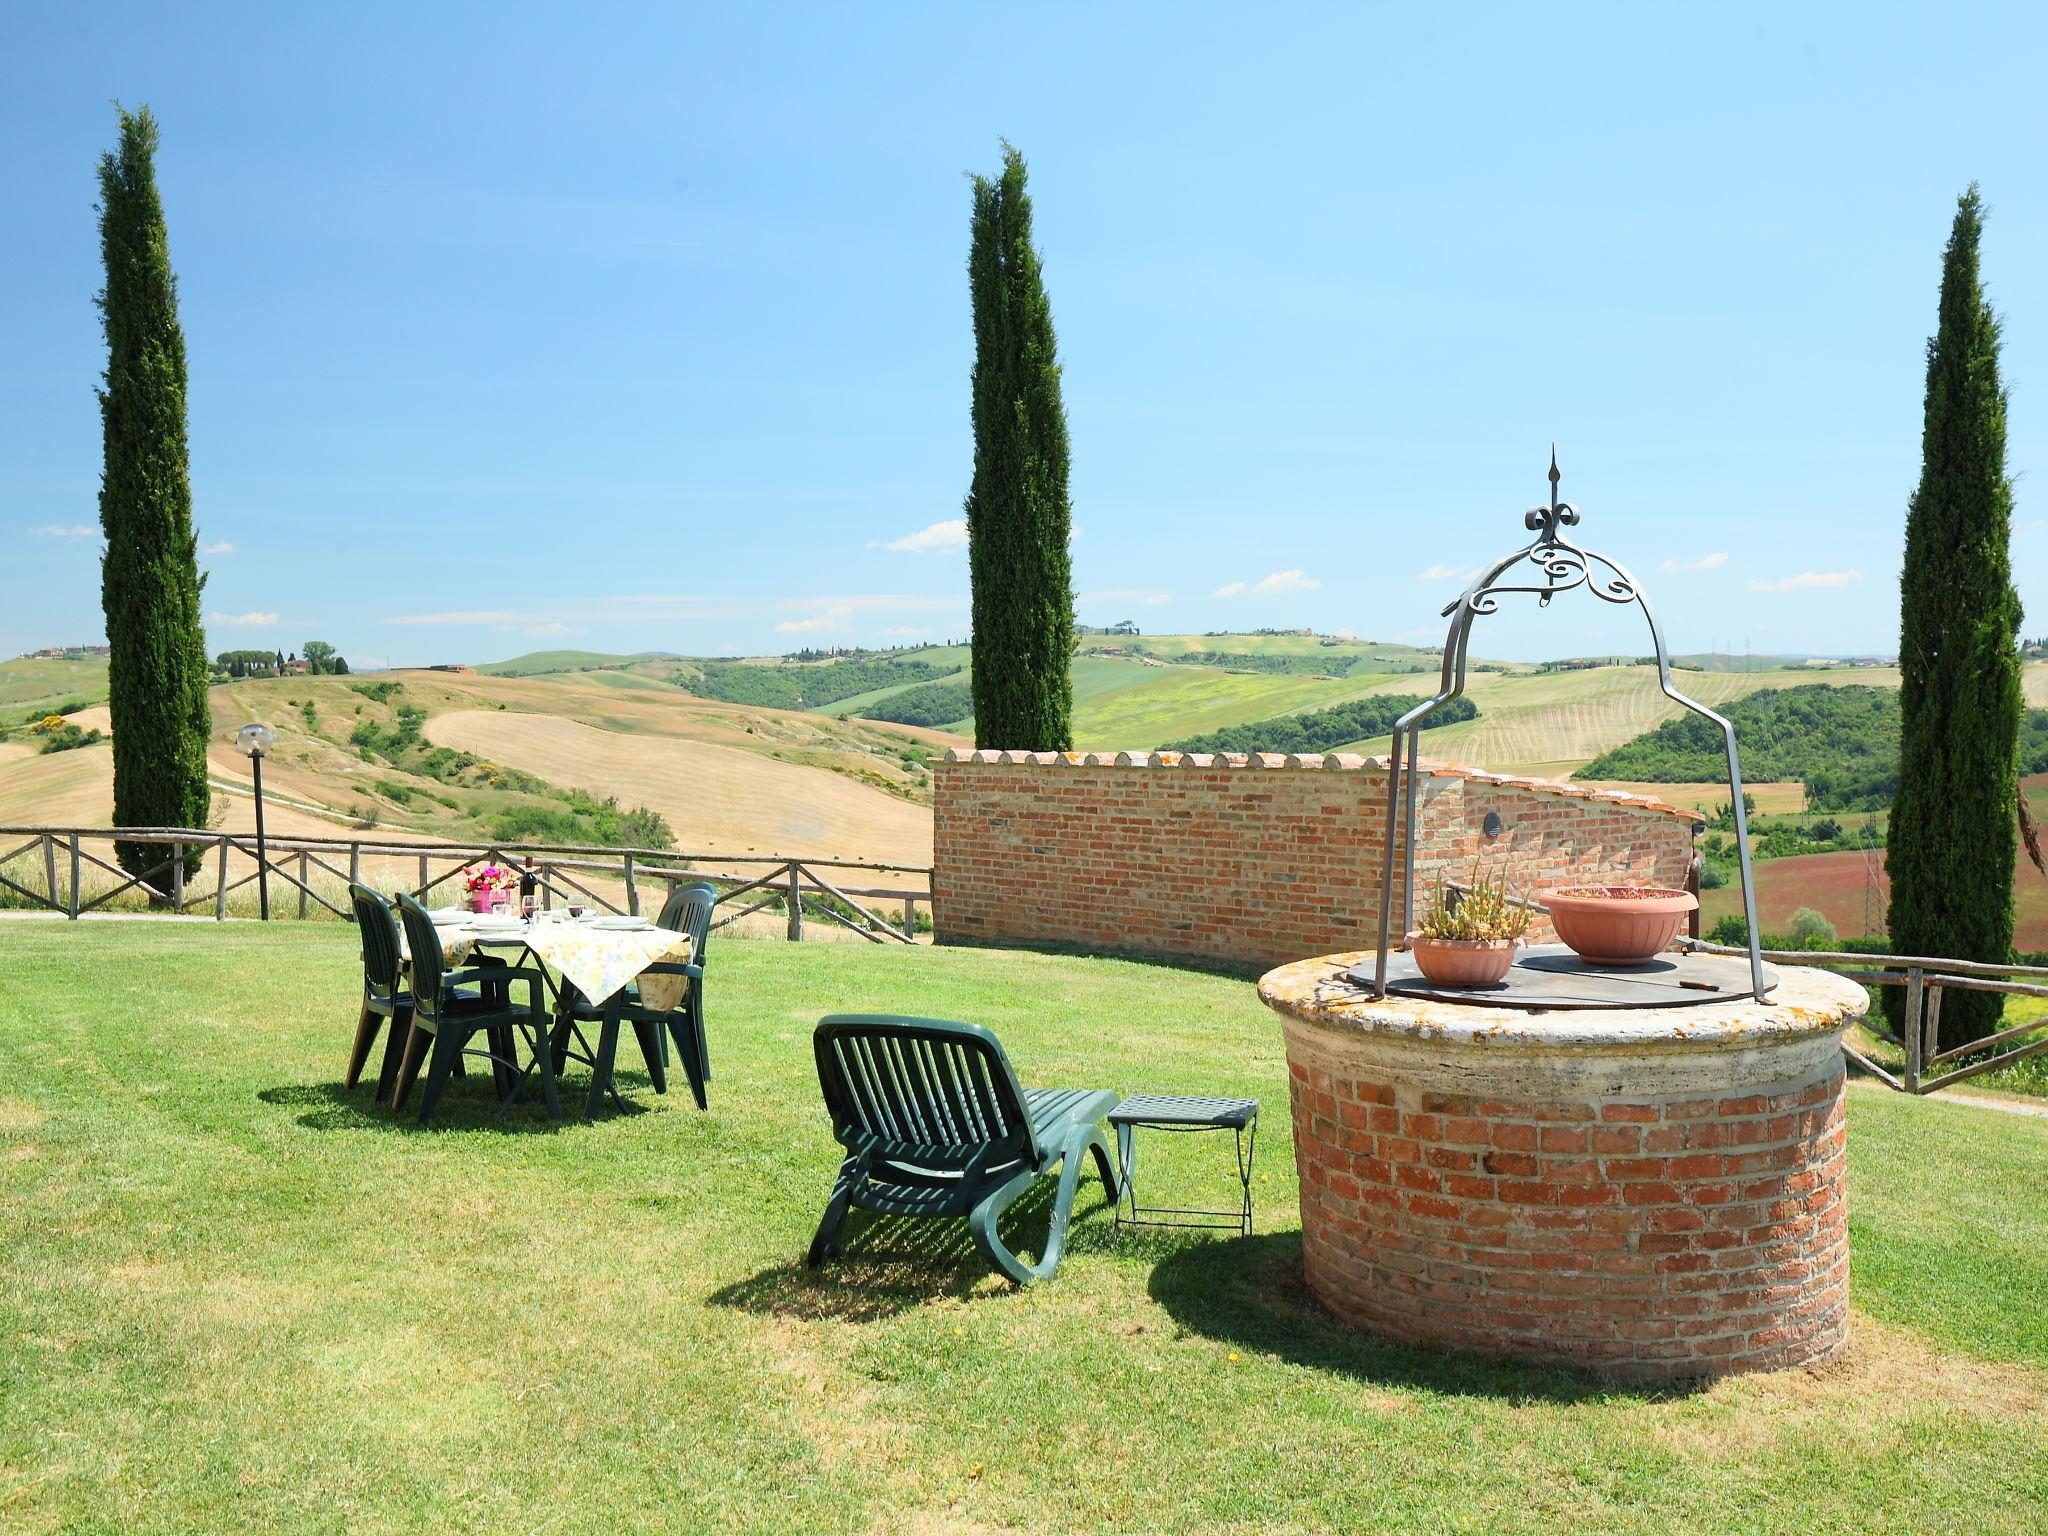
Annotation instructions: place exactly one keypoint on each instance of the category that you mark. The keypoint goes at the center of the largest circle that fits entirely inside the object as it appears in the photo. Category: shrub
(1810, 930)
(67, 736)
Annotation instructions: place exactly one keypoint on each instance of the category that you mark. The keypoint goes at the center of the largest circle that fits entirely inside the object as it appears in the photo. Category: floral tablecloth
(597, 960)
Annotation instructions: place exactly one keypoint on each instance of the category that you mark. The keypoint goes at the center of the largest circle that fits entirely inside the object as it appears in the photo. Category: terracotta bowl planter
(1617, 924)
(1463, 962)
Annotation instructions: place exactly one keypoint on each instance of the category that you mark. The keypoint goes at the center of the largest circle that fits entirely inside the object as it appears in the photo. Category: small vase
(1463, 962)
(479, 901)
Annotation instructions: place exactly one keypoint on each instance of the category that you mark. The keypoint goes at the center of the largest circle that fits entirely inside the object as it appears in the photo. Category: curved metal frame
(1564, 566)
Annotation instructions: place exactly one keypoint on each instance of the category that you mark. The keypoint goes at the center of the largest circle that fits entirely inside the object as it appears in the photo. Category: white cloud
(218, 547)
(553, 628)
(1705, 563)
(1806, 580)
(1229, 590)
(1286, 581)
(906, 632)
(1345, 634)
(243, 620)
(485, 617)
(950, 534)
(68, 531)
(1442, 572)
(831, 618)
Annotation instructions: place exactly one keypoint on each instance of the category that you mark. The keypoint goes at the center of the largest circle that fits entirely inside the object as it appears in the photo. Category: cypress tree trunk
(1018, 516)
(1953, 837)
(149, 576)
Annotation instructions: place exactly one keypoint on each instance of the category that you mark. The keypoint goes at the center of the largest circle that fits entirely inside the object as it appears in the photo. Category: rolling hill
(552, 733)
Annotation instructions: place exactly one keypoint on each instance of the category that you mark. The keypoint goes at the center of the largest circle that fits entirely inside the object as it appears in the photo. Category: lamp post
(255, 740)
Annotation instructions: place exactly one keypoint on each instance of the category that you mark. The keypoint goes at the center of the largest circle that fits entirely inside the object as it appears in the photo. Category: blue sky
(646, 327)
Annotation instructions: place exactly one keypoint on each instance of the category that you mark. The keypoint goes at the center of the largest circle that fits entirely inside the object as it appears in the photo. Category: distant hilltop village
(66, 653)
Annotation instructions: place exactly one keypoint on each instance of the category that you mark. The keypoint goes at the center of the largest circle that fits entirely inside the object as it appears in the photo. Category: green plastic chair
(934, 1124)
(687, 911)
(385, 995)
(451, 1017)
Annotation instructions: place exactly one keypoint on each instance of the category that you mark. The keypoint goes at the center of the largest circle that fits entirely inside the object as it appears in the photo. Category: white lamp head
(255, 739)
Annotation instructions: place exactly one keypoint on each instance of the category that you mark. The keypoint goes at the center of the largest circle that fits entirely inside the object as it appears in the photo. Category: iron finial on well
(1553, 475)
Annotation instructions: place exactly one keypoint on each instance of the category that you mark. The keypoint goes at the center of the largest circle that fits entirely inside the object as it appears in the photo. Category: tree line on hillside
(1843, 744)
(1322, 729)
(807, 686)
(320, 659)
(928, 704)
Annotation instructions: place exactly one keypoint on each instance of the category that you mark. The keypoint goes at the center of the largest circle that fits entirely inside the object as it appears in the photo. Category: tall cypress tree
(149, 575)
(1018, 516)
(1953, 836)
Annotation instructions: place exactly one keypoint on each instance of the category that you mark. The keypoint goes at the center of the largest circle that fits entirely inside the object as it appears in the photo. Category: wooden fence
(1926, 979)
(611, 878)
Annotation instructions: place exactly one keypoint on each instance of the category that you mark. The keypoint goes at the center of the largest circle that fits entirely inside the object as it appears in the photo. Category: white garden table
(598, 955)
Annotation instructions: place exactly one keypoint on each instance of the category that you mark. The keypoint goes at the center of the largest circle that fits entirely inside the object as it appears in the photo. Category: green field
(236, 1297)
(538, 663)
(30, 683)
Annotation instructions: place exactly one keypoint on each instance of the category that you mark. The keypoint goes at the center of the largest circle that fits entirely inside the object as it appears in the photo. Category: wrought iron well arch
(1564, 566)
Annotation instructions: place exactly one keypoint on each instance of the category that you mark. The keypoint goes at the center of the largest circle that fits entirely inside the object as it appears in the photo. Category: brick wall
(1257, 858)
(1657, 1194)
(1644, 1238)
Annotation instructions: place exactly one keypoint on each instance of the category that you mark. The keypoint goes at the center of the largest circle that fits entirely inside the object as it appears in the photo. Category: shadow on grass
(890, 1265)
(1249, 1292)
(1203, 965)
(467, 1104)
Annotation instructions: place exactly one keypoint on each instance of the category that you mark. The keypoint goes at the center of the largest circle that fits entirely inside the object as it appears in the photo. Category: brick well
(1656, 1194)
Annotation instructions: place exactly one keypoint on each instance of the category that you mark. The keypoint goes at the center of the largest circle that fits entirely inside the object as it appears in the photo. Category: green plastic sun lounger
(935, 1124)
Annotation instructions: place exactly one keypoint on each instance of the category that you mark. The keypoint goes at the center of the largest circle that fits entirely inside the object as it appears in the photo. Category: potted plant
(489, 888)
(1617, 924)
(1467, 938)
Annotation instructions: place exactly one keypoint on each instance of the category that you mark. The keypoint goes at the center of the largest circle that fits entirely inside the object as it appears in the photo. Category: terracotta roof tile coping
(1338, 761)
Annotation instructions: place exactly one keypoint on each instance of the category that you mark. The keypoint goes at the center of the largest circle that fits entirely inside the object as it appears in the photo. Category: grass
(29, 681)
(234, 1297)
(1121, 704)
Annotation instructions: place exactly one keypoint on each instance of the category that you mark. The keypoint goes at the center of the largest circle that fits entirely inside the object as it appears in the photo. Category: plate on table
(449, 915)
(622, 924)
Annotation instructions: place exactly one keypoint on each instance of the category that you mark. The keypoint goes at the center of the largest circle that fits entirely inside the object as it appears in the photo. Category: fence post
(1931, 1031)
(220, 890)
(1692, 884)
(177, 879)
(910, 916)
(796, 905)
(547, 887)
(50, 870)
(632, 888)
(74, 876)
(421, 894)
(1915, 984)
(355, 863)
(302, 884)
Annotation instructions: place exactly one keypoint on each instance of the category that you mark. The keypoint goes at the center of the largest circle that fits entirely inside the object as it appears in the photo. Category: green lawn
(235, 1298)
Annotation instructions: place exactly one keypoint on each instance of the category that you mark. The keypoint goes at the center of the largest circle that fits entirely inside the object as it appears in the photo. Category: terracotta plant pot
(1463, 962)
(1617, 924)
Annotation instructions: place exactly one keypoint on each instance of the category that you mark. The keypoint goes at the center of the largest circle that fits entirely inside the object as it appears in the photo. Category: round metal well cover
(1548, 976)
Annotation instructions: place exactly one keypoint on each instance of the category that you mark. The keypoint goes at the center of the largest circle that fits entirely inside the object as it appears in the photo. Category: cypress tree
(149, 575)
(1018, 516)
(1953, 838)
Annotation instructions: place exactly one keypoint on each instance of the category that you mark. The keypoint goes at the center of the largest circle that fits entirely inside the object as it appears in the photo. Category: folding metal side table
(1169, 1112)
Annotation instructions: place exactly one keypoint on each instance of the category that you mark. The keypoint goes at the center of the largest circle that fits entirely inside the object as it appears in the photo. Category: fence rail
(1926, 978)
(563, 872)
